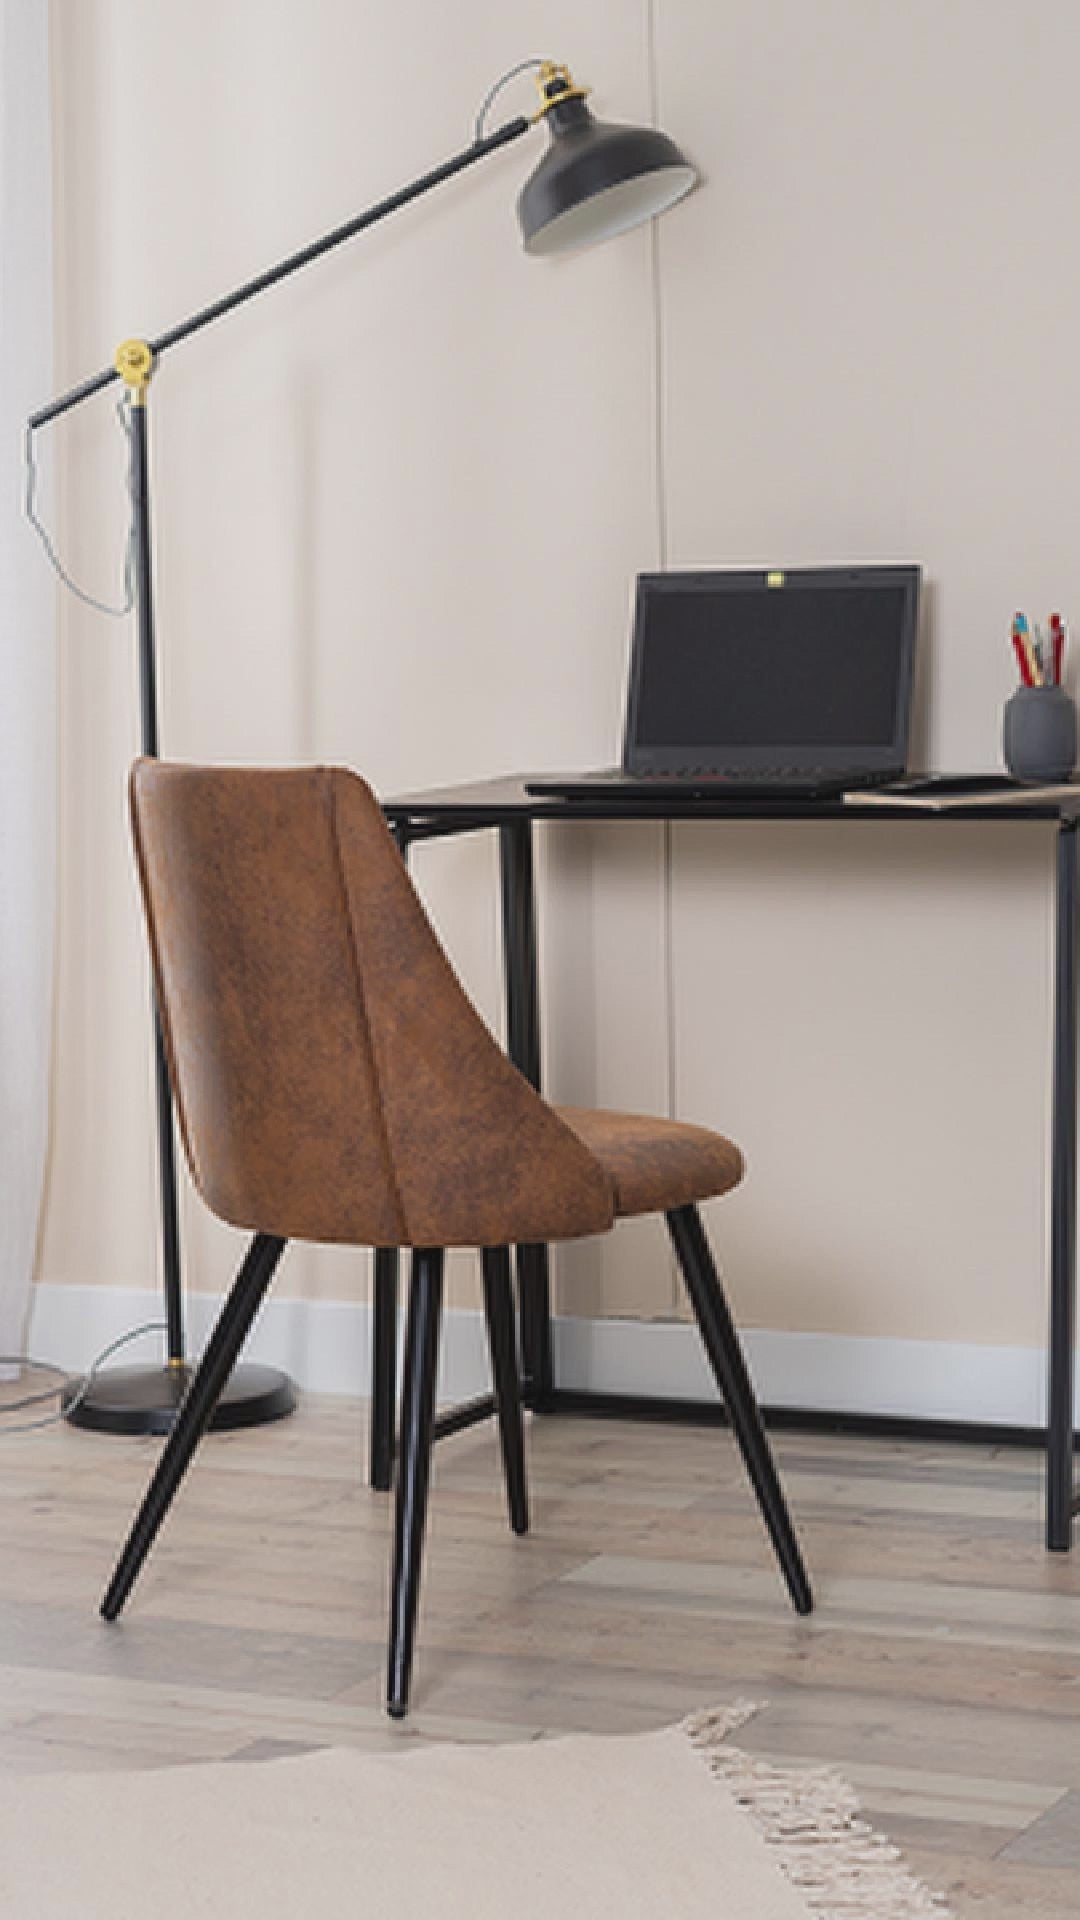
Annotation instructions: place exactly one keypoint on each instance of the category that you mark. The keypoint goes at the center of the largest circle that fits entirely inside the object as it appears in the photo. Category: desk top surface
(501, 801)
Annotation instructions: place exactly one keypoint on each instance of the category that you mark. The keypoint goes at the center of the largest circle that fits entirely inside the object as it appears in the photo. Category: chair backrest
(332, 1080)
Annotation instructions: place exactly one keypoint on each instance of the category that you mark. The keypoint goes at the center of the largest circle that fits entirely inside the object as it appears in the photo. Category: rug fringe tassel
(841, 1866)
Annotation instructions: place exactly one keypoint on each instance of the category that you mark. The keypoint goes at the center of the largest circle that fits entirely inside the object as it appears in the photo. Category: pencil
(1021, 658)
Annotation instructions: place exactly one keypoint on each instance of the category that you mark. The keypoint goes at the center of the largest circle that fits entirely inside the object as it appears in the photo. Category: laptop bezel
(886, 760)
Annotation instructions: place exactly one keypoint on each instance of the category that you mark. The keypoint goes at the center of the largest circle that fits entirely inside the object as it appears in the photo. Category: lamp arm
(477, 151)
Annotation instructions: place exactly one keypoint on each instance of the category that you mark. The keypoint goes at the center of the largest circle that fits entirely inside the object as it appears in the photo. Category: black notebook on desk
(785, 683)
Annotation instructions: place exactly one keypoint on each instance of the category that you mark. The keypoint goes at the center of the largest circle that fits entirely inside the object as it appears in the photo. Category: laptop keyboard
(765, 776)
(733, 773)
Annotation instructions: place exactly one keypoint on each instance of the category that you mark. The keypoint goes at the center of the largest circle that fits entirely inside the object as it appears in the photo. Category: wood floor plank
(940, 1671)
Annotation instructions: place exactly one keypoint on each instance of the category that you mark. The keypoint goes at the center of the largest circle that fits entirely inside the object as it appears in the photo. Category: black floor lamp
(594, 181)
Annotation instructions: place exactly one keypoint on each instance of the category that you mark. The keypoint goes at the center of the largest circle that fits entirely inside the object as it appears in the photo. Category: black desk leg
(1060, 1497)
(384, 1316)
(523, 1046)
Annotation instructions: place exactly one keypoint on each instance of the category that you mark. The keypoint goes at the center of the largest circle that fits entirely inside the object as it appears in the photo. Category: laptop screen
(809, 669)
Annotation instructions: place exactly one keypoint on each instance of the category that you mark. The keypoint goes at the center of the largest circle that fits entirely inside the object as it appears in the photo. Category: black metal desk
(505, 806)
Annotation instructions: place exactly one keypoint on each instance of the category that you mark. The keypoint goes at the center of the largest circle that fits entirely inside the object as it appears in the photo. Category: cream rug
(676, 1825)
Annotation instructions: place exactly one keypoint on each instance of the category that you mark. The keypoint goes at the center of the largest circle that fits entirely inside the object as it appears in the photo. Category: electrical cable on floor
(65, 1379)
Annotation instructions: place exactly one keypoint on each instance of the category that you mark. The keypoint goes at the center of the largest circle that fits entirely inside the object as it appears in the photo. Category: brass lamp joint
(556, 85)
(134, 362)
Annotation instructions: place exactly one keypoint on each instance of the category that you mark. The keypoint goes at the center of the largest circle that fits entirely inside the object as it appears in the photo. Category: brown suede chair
(334, 1083)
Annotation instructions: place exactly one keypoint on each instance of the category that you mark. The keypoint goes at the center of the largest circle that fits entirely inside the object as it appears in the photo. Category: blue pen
(1028, 645)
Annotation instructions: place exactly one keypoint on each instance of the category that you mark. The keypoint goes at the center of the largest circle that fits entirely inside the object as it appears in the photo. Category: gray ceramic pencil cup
(1039, 734)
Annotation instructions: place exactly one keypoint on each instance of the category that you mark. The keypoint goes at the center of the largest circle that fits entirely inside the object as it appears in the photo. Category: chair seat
(655, 1165)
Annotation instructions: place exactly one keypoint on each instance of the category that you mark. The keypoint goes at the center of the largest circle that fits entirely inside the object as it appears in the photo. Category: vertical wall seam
(660, 483)
(659, 449)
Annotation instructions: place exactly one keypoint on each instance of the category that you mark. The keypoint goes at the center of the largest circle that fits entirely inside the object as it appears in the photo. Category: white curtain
(27, 659)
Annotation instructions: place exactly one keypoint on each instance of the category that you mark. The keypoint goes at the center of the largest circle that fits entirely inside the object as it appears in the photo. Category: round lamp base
(146, 1399)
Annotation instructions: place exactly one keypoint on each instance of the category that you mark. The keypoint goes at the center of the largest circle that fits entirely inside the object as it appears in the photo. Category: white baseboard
(843, 1373)
(325, 1345)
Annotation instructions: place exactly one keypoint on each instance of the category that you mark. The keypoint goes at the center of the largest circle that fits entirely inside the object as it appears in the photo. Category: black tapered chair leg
(414, 1463)
(732, 1377)
(499, 1314)
(230, 1332)
(383, 1367)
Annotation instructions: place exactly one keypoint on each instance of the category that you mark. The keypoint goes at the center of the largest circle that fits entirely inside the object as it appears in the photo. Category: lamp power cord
(123, 410)
(63, 1380)
(523, 66)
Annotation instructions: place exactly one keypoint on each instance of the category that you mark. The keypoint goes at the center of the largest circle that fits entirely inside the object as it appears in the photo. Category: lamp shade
(596, 179)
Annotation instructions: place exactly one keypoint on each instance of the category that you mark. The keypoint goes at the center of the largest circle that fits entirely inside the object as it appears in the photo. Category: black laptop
(778, 682)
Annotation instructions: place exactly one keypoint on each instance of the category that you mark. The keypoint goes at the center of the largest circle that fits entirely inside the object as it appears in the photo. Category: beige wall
(399, 505)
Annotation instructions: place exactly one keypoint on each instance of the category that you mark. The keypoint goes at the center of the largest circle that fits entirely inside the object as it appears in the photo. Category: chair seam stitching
(365, 1024)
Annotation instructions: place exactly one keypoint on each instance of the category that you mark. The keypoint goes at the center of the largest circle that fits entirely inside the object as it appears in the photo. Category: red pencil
(1057, 647)
(1022, 659)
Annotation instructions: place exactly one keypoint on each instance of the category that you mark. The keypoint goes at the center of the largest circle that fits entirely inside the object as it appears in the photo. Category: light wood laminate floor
(940, 1672)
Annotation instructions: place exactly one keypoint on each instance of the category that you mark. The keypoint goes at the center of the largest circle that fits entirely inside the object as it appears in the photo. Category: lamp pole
(136, 363)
